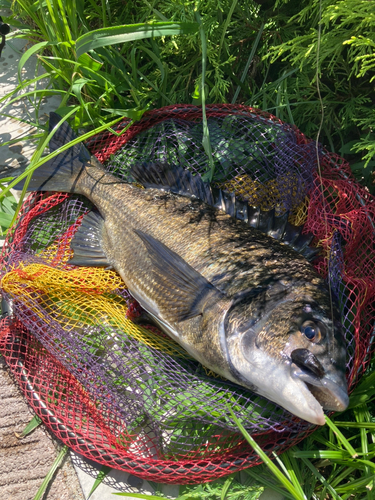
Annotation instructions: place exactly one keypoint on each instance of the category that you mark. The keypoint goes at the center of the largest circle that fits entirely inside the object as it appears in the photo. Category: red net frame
(351, 214)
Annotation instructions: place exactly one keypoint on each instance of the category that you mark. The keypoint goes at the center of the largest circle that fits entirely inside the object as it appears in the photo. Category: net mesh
(126, 395)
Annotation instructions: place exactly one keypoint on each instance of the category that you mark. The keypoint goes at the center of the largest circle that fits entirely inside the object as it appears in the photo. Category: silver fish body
(243, 304)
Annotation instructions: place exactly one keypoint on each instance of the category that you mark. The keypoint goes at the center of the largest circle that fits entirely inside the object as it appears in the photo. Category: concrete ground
(25, 462)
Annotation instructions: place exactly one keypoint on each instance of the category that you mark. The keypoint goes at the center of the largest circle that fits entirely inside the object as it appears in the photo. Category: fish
(239, 299)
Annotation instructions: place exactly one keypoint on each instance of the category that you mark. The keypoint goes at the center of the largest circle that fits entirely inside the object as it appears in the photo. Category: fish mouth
(286, 384)
(292, 386)
(328, 388)
(330, 394)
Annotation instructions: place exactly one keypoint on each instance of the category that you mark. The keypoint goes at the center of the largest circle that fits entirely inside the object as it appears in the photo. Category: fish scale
(214, 244)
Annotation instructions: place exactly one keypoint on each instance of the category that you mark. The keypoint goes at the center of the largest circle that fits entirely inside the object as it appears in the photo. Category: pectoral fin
(182, 292)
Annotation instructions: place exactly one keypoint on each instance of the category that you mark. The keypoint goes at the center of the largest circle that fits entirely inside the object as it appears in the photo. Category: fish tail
(62, 173)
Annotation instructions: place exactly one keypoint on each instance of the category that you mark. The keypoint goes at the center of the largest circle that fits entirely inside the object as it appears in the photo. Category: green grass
(115, 58)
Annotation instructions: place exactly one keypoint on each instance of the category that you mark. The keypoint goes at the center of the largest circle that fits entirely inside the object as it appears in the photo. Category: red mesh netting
(127, 396)
(87, 427)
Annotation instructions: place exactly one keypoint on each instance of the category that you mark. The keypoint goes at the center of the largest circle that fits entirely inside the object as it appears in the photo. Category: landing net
(127, 396)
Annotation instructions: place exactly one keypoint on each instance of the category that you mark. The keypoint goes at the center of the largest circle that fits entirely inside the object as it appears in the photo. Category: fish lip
(322, 388)
(275, 382)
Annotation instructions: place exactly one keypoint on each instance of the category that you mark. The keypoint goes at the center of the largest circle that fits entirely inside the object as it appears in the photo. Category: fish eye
(311, 331)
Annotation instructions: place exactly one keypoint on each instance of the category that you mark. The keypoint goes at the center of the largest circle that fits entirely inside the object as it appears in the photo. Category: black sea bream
(244, 304)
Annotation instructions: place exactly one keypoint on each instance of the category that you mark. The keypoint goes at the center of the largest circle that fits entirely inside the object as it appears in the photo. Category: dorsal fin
(172, 178)
(177, 180)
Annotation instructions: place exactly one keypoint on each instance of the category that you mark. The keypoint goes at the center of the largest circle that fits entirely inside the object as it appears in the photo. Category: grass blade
(49, 476)
(353, 486)
(279, 475)
(5, 219)
(206, 133)
(292, 470)
(341, 438)
(364, 391)
(324, 454)
(104, 471)
(249, 61)
(21, 86)
(139, 495)
(226, 487)
(315, 471)
(267, 483)
(33, 424)
(225, 27)
(130, 32)
(38, 163)
(31, 51)
(65, 30)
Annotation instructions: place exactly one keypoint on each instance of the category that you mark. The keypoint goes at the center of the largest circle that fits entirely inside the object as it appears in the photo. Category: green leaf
(104, 471)
(130, 32)
(266, 459)
(341, 438)
(5, 219)
(328, 454)
(133, 114)
(291, 471)
(6, 179)
(8, 204)
(364, 391)
(362, 165)
(206, 143)
(17, 90)
(77, 86)
(33, 424)
(31, 51)
(321, 479)
(49, 476)
(38, 162)
(261, 480)
(226, 487)
(249, 60)
(357, 425)
(87, 61)
(347, 148)
(139, 495)
(196, 96)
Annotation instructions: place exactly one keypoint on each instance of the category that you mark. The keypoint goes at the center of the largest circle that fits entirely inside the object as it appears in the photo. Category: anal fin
(87, 242)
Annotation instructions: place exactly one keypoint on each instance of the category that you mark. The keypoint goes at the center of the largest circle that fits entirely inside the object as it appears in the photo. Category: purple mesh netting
(341, 294)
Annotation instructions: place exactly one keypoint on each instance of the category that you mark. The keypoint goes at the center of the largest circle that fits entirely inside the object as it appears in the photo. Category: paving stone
(24, 463)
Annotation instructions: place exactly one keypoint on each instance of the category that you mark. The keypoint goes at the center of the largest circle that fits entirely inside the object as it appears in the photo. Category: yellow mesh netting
(298, 216)
(79, 297)
(269, 195)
